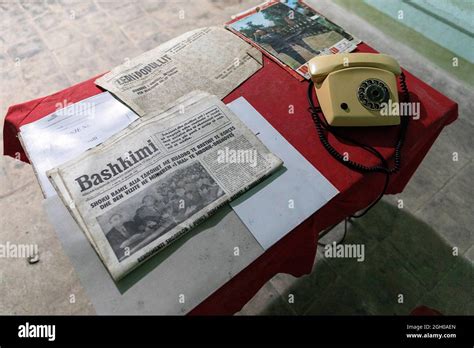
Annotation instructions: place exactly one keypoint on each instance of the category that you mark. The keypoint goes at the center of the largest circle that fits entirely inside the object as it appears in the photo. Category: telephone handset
(353, 88)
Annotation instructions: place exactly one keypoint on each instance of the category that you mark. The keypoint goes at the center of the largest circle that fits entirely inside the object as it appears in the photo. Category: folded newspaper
(210, 59)
(151, 183)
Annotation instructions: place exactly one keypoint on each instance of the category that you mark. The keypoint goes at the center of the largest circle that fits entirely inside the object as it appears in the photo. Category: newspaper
(210, 59)
(151, 183)
(291, 33)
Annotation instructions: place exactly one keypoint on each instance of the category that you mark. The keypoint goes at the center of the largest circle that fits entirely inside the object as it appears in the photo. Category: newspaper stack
(151, 183)
(184, 154)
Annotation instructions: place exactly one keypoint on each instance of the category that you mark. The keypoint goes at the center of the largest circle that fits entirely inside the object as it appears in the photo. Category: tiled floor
(48, 45)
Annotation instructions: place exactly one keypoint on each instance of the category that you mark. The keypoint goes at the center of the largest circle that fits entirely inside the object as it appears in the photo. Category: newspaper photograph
(138, 221)
(292, 33)
(210, 59)
(150, 184)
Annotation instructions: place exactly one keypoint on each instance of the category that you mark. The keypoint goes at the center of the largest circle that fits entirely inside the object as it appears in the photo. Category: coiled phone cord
(383, 166)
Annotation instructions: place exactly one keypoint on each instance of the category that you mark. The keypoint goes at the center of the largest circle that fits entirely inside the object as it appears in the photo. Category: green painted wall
(441, 30)
(448, 23)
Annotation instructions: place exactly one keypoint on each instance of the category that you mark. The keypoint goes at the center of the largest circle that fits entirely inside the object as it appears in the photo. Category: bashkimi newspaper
(151, 183)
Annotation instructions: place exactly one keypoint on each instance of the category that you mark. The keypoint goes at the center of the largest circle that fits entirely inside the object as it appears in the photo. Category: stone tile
(113, 60)
(126, 13)
(87, 68)
(439, 160)
(453, 295)
(22, 30)
(35, 8)
(448, 211)
(152, 42)
(438, 165)
(62, 37)
(277, 307)
(44, 287)
(78, 9)
(304, 290)
(140, 30)
(339, 299)
(92, 24)
(420, 189)
(381, 278)
(114, 45)
(12, 88)
(426, 256)
(26, 49)
(152, 5)
(52, 20)
(48, 84)
(16, 176)
(266, 302)
(458, 138)
(11, 13)
(38, 67)
(179, 18)
(5, 62)
(185, 11)
(113, 4)
(461, 186)
(75, 53)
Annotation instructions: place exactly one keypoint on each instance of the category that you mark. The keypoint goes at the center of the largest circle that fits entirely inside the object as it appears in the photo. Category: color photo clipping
(293, 33)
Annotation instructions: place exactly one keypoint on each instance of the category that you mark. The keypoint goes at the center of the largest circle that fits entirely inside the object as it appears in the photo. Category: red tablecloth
(272, 91)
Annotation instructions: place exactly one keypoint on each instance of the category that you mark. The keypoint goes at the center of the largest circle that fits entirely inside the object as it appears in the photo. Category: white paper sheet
(292, 194)
(69, 131)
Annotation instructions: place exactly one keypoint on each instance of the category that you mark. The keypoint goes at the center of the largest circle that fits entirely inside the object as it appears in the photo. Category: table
(272, 91)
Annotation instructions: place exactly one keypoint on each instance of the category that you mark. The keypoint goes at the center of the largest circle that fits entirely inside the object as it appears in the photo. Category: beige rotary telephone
(353, 88)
